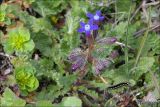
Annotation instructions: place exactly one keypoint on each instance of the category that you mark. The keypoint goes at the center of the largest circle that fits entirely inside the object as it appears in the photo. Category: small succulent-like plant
(18, 41)
(25, 78)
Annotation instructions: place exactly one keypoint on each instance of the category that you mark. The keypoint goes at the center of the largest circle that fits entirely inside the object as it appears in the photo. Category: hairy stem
(90, 48)
(143, 41)
(126, 43)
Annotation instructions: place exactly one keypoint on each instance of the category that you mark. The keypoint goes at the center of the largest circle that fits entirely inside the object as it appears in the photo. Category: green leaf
(40, 24)
(44, 67)
(29, 1)
(52, 92)
(29, 46)
(152, 42)
(2, 12)
(2, 16)
(67, 80)
(71, 102)
(123, 5)
(119, 75)
(121, 28)
(43, 42)
(91, 93)
(145, 63)
(10, 99)
(65, 47)
(71, 22)
(47, 7)
(44, 103)
(101, 51)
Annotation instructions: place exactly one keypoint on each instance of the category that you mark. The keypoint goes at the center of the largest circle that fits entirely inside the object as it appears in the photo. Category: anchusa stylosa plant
(97, 53)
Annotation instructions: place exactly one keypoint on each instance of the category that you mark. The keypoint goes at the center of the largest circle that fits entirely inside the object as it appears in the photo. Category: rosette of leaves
(2, 12)
(25, 78)
(18, 41)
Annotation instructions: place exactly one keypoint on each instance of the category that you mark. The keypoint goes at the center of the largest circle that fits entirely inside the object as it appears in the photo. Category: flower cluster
(92, 24)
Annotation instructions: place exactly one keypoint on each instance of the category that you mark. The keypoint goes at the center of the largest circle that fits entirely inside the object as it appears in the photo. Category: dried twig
(153, 3)
(6, 55)
(137, 10)
(144, 4)
(122, 44)
(103, 80)
(140, 32)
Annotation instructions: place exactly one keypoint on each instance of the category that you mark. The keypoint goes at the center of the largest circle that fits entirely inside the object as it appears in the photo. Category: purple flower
(76, 53)
(101, 64)
(79, 63)
(87, 28)
(114, 54)
(97, 17)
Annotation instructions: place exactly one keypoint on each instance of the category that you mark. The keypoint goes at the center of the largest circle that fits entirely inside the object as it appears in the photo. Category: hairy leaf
(10, 99)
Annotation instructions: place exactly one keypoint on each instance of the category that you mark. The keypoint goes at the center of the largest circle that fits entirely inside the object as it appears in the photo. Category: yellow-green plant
(25, 78)
(2, 16)
(18, 41)
(2, 12)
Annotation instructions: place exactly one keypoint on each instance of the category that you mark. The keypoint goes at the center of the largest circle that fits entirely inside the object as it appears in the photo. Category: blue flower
(87, 28)
(97, 17)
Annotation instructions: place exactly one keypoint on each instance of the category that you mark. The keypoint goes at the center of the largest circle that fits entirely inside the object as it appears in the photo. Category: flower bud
(114, 54)
(80, 62)
(101, 64)
(74, 54)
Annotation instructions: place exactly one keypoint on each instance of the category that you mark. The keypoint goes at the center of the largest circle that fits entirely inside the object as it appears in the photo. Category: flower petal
(98, 12)
(89, 15)
(94, 27)
(74, 67)
(80, 30)
(90, 22)
(82, 24)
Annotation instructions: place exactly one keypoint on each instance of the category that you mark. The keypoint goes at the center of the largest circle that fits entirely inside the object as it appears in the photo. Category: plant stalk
(143, 41)
(126, 43)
